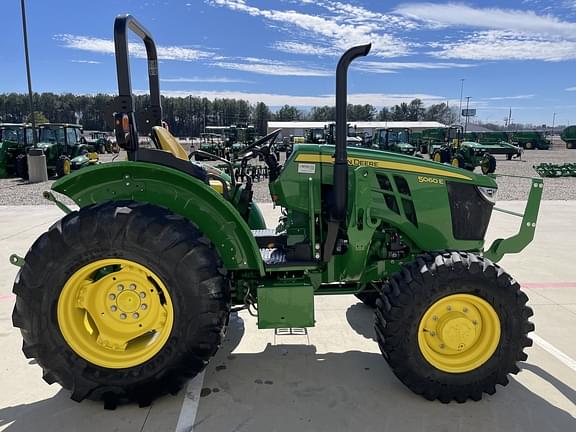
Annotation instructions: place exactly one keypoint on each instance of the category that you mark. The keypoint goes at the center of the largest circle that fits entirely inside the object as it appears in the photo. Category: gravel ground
(19, 192)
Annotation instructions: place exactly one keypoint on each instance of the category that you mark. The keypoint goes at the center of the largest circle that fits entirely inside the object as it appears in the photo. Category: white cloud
(502, 45)
(376, 99)
(336, 31)
(460, 15)
(392, 67)
(106, 46)
(292, 47)
(517, 97)
(271, 67)
(204, 80)
(85, 61)
(571, 89)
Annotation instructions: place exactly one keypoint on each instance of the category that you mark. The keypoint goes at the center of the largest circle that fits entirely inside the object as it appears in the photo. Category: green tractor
(530, 140)
(101, 142)
(495, 143)
(568, 135)
(129, 296)
(396, 140)
(15, 139)
(65, 148)
(463, 154)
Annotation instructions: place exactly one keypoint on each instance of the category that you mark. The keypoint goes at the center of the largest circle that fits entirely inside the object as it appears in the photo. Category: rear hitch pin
(17, 260)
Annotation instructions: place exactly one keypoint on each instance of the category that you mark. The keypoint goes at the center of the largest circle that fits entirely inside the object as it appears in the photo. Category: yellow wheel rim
(115, 313)
(66, 167)
(437, 157)
(455, 162)
(459, 333)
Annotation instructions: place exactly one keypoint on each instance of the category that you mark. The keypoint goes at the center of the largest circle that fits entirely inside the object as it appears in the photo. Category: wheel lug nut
(441, 346)
(448, 308)
(142, 294)
(433, 333)
(111, 296)
(465, 310)
(474, 322)
(122, 316)
(120, 287)
(135, 315)
(434, 318)
(132, 287)
(113, 308)
(144, 306)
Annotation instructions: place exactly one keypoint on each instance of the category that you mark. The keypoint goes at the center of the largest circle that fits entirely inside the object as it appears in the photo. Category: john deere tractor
(65, 148)
(394, 140)
(463, 154)
(15, 139)
(129, 296)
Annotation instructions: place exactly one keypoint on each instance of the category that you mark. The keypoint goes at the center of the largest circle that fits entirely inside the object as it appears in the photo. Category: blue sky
(519, 54)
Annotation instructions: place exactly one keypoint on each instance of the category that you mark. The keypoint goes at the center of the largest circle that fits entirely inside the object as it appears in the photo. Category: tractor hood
(312, 153)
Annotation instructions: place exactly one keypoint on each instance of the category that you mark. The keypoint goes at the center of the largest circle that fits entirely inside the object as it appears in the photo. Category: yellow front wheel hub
(455, 162)
(67, 167)
(459, 333)
(115, 313)
(437, 157)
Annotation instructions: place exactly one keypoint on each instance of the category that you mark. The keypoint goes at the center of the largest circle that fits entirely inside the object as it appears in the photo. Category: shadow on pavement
(293, 387)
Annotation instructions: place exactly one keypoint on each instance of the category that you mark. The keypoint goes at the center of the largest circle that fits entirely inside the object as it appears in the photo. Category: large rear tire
(452, 326)
(121, 302)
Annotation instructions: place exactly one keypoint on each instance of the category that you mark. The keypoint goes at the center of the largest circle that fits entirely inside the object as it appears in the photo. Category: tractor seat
(168, 143)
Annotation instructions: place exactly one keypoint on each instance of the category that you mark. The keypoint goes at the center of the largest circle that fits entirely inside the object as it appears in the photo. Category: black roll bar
(124, 103)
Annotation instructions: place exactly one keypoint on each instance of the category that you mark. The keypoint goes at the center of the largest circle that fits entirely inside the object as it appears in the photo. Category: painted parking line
(189, 408)
(551, 349)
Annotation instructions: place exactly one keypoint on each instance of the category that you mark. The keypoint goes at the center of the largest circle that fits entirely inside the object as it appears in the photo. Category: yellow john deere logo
(374, 163)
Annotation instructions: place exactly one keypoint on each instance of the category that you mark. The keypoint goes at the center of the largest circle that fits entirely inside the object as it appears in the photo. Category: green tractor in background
(15, 139)
(129, 296)
(530, 140)
(396, 140)
(568, 135)
(495, 143)
(463, 154)
(101, 142)
(65, 148)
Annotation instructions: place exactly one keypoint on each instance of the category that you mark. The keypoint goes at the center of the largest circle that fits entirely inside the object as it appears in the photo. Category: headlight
(489, 194)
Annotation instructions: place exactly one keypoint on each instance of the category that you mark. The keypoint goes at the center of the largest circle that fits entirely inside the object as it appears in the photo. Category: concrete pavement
(332, 378)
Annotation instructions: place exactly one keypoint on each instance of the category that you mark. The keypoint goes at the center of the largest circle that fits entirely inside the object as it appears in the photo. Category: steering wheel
(255, 147)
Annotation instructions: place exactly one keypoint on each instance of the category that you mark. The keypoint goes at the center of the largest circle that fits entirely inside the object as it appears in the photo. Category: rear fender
(179, 192)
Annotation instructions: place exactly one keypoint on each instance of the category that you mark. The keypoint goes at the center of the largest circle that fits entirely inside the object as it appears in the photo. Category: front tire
(63, 166)
(452, 326)
(98, 250)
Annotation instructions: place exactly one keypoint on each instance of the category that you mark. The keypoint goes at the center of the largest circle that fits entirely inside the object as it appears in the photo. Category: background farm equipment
(495, 143)
(530, 140)
(556, 170)
(394, 140)
(163, 248)
(101, 142)
(15, 139)
(61, 143)
(463, 154)
(568, 135)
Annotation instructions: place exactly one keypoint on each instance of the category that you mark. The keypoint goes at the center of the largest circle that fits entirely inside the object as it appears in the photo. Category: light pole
(467, 113)
(461, 93)
(30, 97)
(553, 123)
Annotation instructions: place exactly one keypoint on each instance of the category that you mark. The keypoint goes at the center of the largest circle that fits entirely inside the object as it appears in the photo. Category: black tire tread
(121, 228)
(407, 293)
